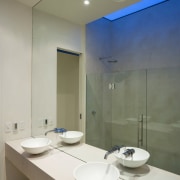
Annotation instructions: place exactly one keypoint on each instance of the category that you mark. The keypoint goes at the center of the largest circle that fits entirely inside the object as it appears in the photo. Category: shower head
(112, 61)
(108, 59)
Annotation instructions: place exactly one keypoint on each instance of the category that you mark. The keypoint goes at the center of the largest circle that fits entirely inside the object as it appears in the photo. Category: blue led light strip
(132, 9)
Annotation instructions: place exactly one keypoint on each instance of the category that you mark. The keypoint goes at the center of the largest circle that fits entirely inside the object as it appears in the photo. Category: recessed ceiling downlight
(86, 2)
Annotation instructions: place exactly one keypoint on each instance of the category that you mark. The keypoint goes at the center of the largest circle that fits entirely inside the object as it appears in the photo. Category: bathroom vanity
(60, 161)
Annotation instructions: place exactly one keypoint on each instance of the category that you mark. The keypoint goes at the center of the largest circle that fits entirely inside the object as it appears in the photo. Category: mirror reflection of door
(67, 90)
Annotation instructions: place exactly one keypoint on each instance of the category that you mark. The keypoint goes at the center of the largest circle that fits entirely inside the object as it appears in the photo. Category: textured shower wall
(98, 44)
(94, 110)
(128, 104)
(151, 39)
(163, 102)
(148, 39)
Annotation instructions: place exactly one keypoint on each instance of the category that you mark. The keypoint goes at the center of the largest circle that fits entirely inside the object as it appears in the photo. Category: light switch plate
(21, 125)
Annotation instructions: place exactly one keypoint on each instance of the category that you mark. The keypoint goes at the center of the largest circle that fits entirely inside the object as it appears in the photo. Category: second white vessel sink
(96, 171)
(36, 145)
(71, 137)
(139, 158)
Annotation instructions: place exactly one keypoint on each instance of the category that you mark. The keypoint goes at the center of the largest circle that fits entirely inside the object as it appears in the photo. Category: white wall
(1, 127)
(15, 65)
(15, 71)
(49, 33)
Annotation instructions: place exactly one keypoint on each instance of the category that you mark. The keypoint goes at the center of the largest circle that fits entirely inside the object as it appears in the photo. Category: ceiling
(75, 11)
(30, 3)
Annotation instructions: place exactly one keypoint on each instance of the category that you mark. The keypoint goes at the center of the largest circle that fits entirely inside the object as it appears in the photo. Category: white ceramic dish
(36, 145)
(139, 158)
(71, 137)
(96, 171)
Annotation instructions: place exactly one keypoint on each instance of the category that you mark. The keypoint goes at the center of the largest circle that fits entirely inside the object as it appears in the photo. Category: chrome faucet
(129, 152)
(56, 130)
(114, 148)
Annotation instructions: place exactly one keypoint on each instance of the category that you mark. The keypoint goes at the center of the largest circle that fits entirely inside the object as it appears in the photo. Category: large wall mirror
(129, 80)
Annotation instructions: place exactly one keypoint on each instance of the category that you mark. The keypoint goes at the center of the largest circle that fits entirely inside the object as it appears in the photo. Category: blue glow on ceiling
(132, 9)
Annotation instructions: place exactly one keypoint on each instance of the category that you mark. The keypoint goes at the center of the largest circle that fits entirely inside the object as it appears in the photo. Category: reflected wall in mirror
(49, 34)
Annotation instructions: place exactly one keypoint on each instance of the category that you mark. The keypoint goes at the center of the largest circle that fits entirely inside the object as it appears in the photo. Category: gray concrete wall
(148, 39)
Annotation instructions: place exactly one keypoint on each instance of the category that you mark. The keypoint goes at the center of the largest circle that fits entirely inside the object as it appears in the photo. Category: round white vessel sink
(36, 145)
(139, 158)
(96, 171)
(71, 137)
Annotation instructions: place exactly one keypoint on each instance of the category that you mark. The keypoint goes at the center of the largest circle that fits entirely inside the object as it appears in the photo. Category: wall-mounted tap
(114, 148)
(56, 130)
(129, 152)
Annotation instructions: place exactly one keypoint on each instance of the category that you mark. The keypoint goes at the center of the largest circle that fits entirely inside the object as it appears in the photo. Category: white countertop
(58, 163)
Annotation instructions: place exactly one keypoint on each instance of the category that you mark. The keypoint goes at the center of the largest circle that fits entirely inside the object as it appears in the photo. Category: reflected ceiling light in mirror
(140, 5)
(86, 2)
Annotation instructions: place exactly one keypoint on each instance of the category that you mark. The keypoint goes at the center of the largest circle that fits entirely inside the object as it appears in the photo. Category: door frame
(82, 88)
